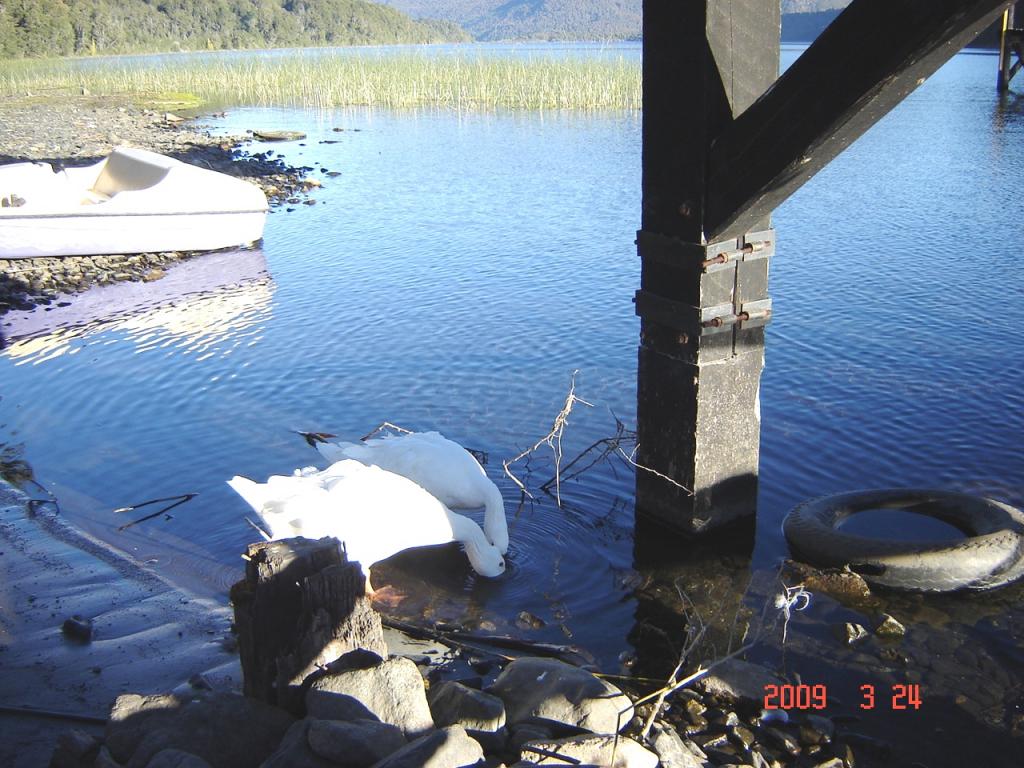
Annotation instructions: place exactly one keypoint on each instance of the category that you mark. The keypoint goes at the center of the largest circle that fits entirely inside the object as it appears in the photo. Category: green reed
(399, 80)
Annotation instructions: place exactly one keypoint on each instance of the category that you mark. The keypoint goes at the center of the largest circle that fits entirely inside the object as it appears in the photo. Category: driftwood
(472, 641)
(300, 607)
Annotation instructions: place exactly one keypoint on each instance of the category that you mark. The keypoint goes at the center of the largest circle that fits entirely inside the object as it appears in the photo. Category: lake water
(457, 272)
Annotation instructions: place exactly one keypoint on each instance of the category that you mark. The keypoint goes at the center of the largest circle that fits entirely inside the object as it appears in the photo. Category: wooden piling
(300, 606)
(1011, 42)
(702, 305)
(724, 143)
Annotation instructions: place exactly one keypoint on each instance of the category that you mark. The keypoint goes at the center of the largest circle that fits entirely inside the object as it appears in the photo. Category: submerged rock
(736, 679)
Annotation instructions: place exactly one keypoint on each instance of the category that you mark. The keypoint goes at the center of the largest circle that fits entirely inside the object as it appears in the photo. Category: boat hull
(34, 236)
(132, 201)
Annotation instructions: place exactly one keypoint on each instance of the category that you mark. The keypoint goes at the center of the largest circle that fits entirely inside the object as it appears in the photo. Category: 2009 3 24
(902, 696)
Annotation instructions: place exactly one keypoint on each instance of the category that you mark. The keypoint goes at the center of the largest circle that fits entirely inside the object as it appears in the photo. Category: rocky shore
(81, 130)
(363, 711)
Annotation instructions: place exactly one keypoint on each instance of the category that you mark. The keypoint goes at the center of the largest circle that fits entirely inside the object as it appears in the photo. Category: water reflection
(195, 306)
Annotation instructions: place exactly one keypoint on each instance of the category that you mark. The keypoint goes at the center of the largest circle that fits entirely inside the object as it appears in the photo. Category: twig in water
(312, 438)
(23, 711)
(632, 463)
(381, 427)
(180, 499)
(608, 446)
(791, 599)
(259, 530)
(552, 439)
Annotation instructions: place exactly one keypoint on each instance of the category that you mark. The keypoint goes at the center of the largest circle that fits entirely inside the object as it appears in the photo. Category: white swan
(441, 466)
(375, 513)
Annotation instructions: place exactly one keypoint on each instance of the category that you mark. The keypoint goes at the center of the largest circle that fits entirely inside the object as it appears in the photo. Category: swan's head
(485, 559)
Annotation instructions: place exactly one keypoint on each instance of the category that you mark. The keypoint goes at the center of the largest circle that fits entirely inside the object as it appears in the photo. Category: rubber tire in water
(991, 556)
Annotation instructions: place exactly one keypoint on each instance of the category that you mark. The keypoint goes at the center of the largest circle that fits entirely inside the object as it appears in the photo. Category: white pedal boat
(133, 201)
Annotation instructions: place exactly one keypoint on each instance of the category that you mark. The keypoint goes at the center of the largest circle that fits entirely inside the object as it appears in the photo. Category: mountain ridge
(560, 19)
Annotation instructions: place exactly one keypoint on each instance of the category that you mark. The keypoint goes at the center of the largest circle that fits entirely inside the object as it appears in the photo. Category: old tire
(991, 556)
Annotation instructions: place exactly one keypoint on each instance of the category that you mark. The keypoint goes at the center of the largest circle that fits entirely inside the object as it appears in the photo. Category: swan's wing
(441, 466)
(385, 513)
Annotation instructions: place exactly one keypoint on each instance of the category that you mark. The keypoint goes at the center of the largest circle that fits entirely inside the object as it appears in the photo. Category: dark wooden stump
(300, 606)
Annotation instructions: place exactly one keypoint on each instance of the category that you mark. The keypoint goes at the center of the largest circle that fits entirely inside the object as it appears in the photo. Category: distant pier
(1011, 46)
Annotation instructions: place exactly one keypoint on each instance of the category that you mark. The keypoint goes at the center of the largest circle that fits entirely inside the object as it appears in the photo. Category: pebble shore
(72, 131)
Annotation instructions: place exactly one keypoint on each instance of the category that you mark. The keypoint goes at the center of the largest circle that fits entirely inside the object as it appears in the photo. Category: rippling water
(456, 273)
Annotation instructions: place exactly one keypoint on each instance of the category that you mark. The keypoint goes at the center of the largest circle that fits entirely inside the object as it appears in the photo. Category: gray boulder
(176, 758)
(294, 750)
(449, 747)
(391, 692)
(481, 714)
(554, 690)
(75, 749)
(736, 679)
(673, 751)
(590, 749)
(354, 744)
(224, 729)
(454, 703)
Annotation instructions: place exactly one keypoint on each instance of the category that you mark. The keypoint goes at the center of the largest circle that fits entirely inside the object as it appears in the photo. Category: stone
(590, 749)
(176, 758)
(77, 628)
(449, 747)
(481, 714)
(851, 633)
(104, 759)
(294, 751)
(392, 692)
(888, 627)
(524, 732)
(75, 749)
(673, 751)
(224, 729)
(353, 744)
(452, 703)
(551, 689)
(737, 679)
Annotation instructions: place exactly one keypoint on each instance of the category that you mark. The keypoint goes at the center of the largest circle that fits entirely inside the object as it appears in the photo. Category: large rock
(453, 703)
(590, 749)
(391, 692)
(176, 758)
(224, 729)
(75, 749)
(554, 690)
(737, 679)
(354, 744)
(294, 750)
(449, 747)
(673, 751)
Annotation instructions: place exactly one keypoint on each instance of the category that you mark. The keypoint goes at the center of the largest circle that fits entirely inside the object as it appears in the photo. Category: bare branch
(552, 439)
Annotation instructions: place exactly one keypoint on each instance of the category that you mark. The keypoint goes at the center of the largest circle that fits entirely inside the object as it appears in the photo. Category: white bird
(375, 513)
(441, 466)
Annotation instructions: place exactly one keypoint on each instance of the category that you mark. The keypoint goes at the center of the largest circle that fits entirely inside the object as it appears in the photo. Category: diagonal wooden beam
(867, 61)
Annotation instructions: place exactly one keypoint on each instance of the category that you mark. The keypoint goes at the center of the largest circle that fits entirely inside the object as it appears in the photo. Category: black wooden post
(702, 305)
(724, 144)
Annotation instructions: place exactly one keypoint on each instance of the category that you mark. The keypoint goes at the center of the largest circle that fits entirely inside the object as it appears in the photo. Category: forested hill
(559, 19)
(63, 27)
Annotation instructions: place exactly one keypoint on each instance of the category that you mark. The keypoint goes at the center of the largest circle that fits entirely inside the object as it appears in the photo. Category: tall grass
(331, 80)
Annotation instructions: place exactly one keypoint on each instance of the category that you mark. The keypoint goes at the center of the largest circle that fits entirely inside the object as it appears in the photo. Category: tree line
(81, 27)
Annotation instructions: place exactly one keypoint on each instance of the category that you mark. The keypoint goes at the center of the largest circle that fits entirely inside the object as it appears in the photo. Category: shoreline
(79, 130)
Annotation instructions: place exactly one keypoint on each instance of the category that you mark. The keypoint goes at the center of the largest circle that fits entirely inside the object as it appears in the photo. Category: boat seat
(128, 170)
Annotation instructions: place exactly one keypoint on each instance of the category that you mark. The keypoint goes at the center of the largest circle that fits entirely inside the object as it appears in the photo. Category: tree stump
(300, 606)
